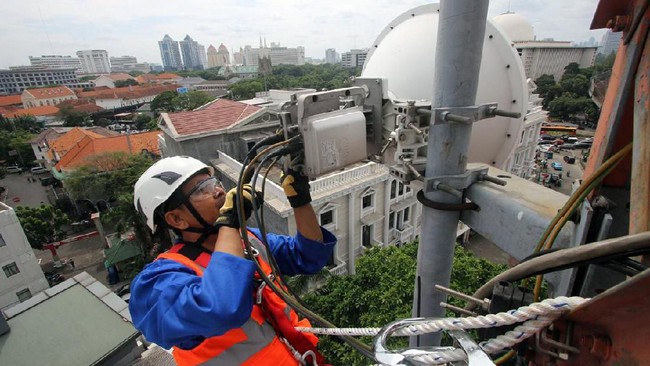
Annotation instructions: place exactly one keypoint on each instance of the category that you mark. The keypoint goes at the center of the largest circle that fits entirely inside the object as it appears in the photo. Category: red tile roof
(217, 115)
(129, 92)
(10, 100)
(118, 76)
(46, 110)
(81, 105)
(153, 78)
(86, 149)
(68, 141)
(47, 93)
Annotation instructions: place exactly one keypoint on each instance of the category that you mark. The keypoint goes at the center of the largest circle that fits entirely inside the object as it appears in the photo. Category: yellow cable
(551, 233)
(505, 357)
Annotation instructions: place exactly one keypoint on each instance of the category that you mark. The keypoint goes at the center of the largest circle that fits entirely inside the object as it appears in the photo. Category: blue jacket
(172, 306)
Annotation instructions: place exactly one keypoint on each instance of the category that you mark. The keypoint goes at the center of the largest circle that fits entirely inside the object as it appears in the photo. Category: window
(406, 214)
(2, 241)
(327, 218)
(400, 191)
(391, 220)
(10, 269)
(24, 294)
(366, 236)
(367, 201)
(393, 189)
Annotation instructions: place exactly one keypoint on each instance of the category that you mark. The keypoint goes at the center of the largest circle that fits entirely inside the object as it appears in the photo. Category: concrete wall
(16, 249)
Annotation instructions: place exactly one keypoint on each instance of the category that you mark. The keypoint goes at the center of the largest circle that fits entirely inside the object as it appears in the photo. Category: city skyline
(33, 28)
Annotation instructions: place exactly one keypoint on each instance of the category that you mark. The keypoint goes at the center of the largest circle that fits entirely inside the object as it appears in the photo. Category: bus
(558, 130)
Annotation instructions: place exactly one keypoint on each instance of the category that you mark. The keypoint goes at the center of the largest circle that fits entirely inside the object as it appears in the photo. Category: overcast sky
(62, 27)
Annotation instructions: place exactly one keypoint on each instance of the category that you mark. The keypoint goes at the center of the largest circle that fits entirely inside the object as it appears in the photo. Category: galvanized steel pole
(461, 30)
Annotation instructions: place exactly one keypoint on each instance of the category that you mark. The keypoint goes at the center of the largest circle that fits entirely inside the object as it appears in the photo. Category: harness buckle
(260, 289)
(256, 253)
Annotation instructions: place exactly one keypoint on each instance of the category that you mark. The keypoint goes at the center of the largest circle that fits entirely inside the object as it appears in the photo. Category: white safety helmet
(158, 183)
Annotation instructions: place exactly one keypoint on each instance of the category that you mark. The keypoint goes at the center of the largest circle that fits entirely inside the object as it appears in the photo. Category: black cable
(354, 343)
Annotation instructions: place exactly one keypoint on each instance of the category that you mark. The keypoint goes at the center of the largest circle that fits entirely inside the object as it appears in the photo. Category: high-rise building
(212, 56)
(202, 57)
(94, 61)
(223, 56)
(331, 57)
(127, 64)
(55, 62)
(542, 57)
(239, 56)
(610, 42)
(170, 54)
(18, 79)
(190, 52)
(354, 58)
(278, 54)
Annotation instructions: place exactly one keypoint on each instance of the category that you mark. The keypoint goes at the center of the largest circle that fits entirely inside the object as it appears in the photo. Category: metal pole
(461, 29)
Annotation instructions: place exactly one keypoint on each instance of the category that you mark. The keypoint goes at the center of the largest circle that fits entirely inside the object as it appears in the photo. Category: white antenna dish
(405, 52)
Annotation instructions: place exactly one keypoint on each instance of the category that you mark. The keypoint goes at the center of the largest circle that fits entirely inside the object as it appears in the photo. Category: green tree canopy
(74, 118)
(111, 177)
(42, 225)
(164, 102)
(142, 122)
(191, 100)
(127, 82)
(381, 291)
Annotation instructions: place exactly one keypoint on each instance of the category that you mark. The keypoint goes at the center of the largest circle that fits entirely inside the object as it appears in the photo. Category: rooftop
(220, 114)
(48, 329)
(47, 93)
(10, 100)
(46, 110)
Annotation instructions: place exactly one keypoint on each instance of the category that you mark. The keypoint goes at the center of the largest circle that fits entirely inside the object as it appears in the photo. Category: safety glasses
(204, 189)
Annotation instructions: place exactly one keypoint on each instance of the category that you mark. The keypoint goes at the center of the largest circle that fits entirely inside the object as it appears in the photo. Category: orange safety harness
(275, 311)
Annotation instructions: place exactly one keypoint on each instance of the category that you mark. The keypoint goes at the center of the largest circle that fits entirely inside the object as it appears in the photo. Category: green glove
(296, 188)
(228, 212)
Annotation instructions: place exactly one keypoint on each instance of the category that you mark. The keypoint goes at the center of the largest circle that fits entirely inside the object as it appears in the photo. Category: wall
(18, 250)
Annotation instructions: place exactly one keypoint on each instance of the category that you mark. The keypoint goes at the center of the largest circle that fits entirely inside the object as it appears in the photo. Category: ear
(175, 220)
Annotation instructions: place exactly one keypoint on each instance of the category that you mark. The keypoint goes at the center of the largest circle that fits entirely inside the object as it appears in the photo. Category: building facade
(46, 96)
(278, 55)
(239, 56)
(203, 57)
(128, 64)
(610, 42)
(522, 161)
(550, 57)
(18, 79)
(354, 58)
(331, 56)
(94, 61)
(56, 62)
(170, 54)
(21, 275)
(191, 54)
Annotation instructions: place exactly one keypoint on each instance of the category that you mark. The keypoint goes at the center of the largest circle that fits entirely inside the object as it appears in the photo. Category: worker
(203, 297)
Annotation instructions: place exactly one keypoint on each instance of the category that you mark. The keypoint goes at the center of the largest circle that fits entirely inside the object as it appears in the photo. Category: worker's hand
(296, 188)
(228, 212)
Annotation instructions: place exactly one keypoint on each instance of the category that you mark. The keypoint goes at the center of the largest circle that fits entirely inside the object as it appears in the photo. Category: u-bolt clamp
(407, 357)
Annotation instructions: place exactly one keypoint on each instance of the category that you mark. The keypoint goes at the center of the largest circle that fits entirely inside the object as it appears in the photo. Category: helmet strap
(205, 231)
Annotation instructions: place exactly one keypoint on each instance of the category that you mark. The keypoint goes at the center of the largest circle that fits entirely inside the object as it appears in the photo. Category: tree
(544, 83)
(111, 178)
(136, 73)
(577, 85)
(381, 291)
(571, 69)
(124, 83)
(103, 122)
(74, 118)
(191, 100)
(42, 225)
(164, 102)
(142, 122)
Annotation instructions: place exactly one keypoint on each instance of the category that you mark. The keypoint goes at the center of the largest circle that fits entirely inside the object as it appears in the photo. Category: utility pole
(461, 30)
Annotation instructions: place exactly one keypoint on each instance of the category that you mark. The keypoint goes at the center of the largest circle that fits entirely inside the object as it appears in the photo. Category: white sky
(62, 27)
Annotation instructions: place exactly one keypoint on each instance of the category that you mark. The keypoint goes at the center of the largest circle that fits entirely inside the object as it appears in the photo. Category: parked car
(39, 170)
(556, 166)
(13, 169)
(569, 159)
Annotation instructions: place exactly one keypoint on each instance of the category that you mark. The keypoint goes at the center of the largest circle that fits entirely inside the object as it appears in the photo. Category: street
(569, 172)
(20, 192)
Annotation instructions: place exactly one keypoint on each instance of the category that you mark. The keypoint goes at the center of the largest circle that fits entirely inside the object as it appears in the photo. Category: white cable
(532, 311)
